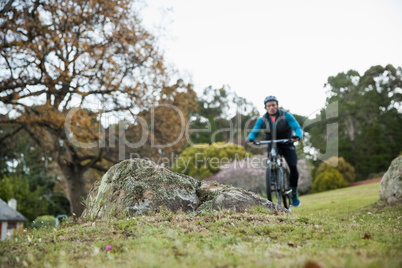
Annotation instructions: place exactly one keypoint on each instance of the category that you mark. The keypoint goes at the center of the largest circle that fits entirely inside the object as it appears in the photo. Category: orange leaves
(84, 125)
(41, 115)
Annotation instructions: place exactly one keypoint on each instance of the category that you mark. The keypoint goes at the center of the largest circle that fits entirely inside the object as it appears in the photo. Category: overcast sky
(282, 48)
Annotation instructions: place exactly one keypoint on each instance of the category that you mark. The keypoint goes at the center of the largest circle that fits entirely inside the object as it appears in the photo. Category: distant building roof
(9, 214)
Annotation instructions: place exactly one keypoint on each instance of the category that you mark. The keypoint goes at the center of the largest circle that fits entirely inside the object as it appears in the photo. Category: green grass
(341, 228)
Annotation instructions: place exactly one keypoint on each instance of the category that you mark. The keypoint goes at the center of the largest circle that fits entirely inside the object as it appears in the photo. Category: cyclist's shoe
(295, 197)
(295, 200)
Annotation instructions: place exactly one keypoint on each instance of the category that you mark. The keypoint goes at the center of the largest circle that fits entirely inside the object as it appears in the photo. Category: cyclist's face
(271, 107)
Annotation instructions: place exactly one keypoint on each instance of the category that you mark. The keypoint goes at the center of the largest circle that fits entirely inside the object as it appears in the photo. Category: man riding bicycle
(279, 124)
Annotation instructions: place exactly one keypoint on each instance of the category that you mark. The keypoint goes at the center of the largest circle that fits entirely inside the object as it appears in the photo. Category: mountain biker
(279, 124)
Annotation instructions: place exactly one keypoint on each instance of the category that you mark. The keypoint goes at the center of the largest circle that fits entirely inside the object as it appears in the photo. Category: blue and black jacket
(282, 128)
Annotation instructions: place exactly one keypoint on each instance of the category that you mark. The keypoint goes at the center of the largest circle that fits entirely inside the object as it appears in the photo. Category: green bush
(203, 160)
(340, 164)
(46, 221)
(329, 179)
(29, 203)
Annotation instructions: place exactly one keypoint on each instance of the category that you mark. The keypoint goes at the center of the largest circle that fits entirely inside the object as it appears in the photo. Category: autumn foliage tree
(60, 55)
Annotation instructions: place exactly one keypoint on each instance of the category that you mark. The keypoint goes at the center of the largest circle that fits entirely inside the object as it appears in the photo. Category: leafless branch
(10, 134)
(7, 7)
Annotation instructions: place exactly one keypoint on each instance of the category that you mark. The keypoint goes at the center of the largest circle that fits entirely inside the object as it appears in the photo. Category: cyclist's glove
(296, 137)
(248, 140)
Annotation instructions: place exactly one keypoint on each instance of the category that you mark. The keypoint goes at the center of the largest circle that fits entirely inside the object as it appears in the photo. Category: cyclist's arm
(294, 125)
(256, 129)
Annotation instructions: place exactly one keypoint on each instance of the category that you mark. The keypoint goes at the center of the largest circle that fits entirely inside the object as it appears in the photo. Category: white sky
(282, 48)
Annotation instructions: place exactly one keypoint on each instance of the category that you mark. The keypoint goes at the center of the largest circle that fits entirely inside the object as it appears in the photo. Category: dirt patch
(365, 182)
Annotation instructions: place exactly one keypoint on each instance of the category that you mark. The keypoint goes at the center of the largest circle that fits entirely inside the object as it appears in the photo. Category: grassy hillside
(341, 228)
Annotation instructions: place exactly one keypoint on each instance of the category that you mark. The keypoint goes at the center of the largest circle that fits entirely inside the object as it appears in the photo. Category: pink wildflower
(108, 248)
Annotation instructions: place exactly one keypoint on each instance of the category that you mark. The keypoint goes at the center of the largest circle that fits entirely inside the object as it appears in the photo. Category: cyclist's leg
(289, 153)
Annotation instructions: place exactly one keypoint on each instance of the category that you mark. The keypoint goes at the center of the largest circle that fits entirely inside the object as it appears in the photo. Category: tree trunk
(76, 187)
(77, 194)
(350, 127)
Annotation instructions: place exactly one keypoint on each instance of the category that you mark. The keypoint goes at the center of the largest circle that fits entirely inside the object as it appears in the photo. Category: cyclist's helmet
(270, 98)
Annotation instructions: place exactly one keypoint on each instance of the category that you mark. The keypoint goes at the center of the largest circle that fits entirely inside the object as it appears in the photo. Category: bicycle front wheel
(268, 182)
(286, 200)
(282, 192)
(273, 186)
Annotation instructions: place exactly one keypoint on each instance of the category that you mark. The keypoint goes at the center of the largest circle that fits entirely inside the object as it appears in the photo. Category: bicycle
(276, 179)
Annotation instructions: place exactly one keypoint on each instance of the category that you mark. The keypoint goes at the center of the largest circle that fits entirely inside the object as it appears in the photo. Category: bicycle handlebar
(272, 141)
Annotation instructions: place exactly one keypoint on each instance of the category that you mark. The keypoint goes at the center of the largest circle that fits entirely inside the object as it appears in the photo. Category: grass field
(341, 228)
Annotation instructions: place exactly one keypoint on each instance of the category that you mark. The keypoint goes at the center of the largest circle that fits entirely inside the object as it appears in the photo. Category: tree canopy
(369, 118)
(222, 116)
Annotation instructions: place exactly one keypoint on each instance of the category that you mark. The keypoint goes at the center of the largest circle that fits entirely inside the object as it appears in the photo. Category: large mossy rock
(138, 186)
(305, 178)
(391, 183)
